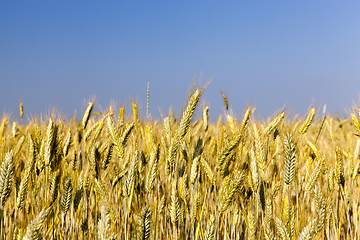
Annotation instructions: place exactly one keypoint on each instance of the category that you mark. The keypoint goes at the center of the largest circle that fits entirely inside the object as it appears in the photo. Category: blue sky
(264, 53)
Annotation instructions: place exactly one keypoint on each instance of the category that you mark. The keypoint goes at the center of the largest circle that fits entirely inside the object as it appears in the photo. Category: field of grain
(116, 175)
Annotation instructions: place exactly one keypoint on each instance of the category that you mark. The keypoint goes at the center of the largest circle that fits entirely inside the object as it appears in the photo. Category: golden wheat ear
(153, 169)
(67, 195)
(144, 224)
(289, 165)
(308, 121)
(175, 205)
(6, 177)
(273, 124)
(210, 229)
(104, 227)
(87, 114)
(226, 102)
(36, 227)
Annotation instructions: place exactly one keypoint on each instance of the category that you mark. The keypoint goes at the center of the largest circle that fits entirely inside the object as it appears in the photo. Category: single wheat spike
(269, 235)
(196, 161)
(130, 178)
(161, 205)
(108, 156)
(54, 186)
(227, 196)
(67, 143)
(308, 121)
(49, 142)
(314, 176)
(339, 166)
(29, 168)
(147, 100)
(232, 123)
(3, 126)
(21, 109)
(207, 169)
(18, 146)
(121, 117)
(66, 196)
(235, 218)
(149, 135)
(183, 187)
(94, 160)
(205, 118)
(289, 165)
(273, 124)
(245, 120)
(171, 155)
(356, 123)
(286, 209)
(153, 168)
(14, 130)
(210, 229)
(268, 215)
(281, 229)
(320, 210)
(87, 114)
(313, 148)
(188, 113)
(167, 129)
(126, 134)
(144, 224)
(321, 127)
(306, 232)
(135, 115)
(195, 207)
(115, 137)
(251, 233)
(6, 177)
(259, 150)
(34, 230)
(96, 132)
(175, 205)
(104, 227)
(225, 100)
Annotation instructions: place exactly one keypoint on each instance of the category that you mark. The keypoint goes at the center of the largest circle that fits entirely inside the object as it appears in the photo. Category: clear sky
(264, 53)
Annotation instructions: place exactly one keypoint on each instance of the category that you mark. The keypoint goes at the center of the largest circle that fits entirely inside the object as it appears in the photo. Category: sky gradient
(268, 54)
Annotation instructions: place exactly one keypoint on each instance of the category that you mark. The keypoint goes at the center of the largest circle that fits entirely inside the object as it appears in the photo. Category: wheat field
(118, 175)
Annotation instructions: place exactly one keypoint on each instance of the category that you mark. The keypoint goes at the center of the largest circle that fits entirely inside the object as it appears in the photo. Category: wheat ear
(308, 121)
(144, 224)
(115, 137)
(226, 102)
(289, 165)
(35, 227)
(87, 114)
(273, 124)
(153, 168)
(314, 176)
(66, 196)
(210, 229)
(24, 181)
(175, 205)
(49, 142)
(205, 118)
(6, 177)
